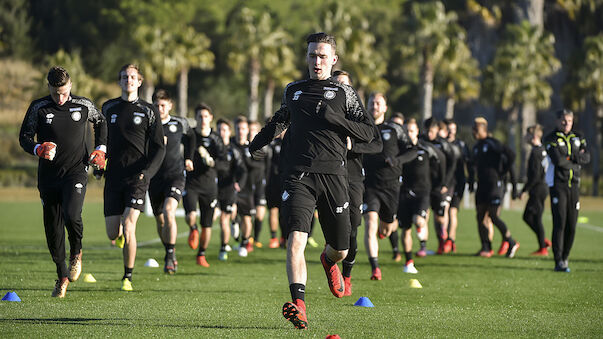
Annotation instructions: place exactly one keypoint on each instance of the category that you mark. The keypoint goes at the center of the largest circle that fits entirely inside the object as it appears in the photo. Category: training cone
(364, 302)
(11, 296)
(583, 220)
(89, 278)
(151, 263)
(414, 283)
(333, 336)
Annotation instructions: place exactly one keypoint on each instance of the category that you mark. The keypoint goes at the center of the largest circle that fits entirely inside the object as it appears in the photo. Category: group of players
(321, 150)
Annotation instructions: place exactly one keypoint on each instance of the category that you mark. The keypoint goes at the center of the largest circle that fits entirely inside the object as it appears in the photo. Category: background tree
(279, 61)
(15, 24)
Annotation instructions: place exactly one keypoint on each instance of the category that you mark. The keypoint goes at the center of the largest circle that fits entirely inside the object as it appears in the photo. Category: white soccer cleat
(410, 268)
(243, 251)
(227, 248)
(223, 256)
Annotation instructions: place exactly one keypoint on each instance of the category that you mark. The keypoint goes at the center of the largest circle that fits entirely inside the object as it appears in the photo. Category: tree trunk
(531, 10)
(513, 121)
(361, 95)
(528, 118)
(450, 107)
(254, 84)
(268, 97)
(148, 88)
(595, 147)
(426, 86)
(183, 92)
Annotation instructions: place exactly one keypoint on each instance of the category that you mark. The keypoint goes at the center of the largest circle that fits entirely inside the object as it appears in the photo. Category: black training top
(426, 169)
(177, 131)
(203, 176)
(66, 126)
(459, 147)
(537, 164)
(231, 169)
(319, 115)
(355, 155)
(568, 153)
(492, 161)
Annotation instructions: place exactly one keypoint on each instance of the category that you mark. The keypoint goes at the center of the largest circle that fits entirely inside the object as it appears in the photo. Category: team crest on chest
(329, 95)
(386, 136)
(173, 128)
(76, 116)
(137, 120)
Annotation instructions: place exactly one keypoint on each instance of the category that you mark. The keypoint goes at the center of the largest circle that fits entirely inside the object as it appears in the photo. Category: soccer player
(459, 147)
(382, 183)
(492, 161)
(258, 174)
(567, 152)
(418, 174)
(274, 189)
(167, 185)
(135, 151)
(319, 113)
(232, 175)
(537, 188)
(202, 182)
(59, 124)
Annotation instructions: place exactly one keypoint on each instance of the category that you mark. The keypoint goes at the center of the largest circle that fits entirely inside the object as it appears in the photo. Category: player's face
(443, 133)
(164, 107)
(344, 79)
(565, 123)
(378, 106)
(413, 133)
(204, 118)
(130, 80)
(60, 95)
(225, 132)
(254, 129)
(452, 131)
(432, 133)
(479, 132)
(242, 131)
(321, 58)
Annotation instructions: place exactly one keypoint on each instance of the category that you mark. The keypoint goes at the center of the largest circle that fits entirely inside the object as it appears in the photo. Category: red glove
(46, 150)
(98, 160)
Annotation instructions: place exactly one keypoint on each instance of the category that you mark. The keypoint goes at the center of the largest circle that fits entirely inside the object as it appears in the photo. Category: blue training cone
(11, 296)
(364, 302)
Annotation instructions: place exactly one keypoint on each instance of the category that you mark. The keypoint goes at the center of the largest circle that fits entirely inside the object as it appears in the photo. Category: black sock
(165, 245)
(374, 262)
(423, 244)
(329, 261)
(223, 248)
(393, 239)
(201, 251)
(170, 249)
(62, 270)
(298, 291)
(408, 256)
(257, 228)
(128, 273)
(194, 227)
(244, 241)
(347, 268)
(272, 234)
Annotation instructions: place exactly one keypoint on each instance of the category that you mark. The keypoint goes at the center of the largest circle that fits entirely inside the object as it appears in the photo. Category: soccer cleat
(334, 277)
(440, 250)
(193, 238)
(274, 243)
(453, 247)
(223, 256)
(376, 274)
(410, 267)
(448, 246)
(201, 261)
(422, 252)
(560, 268)
(249, 246)
(296, 314)
(397, 257)
(75, 266)
(171, 265)
(258, 244)
(60, 288)
(504, 247)
(347, 281)
(227, 248)
(126, 285)
(485, 254)
(120, 241)
(512, 250)
(243, 251)
(543, 252)
(312, 242)
(547, 242)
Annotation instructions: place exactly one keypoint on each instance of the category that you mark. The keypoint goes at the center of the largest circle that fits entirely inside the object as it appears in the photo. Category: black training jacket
(568, 153)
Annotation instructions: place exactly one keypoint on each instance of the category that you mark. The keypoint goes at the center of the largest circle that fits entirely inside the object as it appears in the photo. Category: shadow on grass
(124, 322)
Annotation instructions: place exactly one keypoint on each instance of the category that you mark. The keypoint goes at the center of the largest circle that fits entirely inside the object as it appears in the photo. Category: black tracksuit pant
(564, 207)
(533, 212)
(62, 201)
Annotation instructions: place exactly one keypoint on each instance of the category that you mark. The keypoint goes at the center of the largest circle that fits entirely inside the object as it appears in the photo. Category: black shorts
(489, 193)
(122, 193)
(227, 198)
(439, 202)
(245, 204)
(274, 192)
(259, 193)
(383, 200)
(303, 192)
(163, 188)
(356, 193)
(207, 200)
(412, 204)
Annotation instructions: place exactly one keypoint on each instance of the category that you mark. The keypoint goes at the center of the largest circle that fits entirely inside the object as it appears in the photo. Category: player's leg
(482, 229)
(170, 233)
(190, 200)
(73, 193)
(225, 218)
(130, 218)
(559, 204)
(453, 223)
(371, 243)
(207, 205)
(573, 208)
(493, 212)
(258, 221)
(356, 191)
(274, 226)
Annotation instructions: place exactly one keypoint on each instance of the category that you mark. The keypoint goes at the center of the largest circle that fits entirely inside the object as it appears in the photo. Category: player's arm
(372, 147)
(240, 170)
(277, 124)
(188, 140)
(99, 124)
(353, 121)
(532, 171)
(156, 145)
(557, 157)
(582, 156)
(510, 155)
(29, 128)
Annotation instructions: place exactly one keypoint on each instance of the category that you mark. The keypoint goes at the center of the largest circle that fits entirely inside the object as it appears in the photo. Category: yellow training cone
(89, 278)
(414, 283)
(583, 220)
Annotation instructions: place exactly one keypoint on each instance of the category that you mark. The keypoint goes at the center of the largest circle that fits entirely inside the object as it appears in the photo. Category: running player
(273, 189)
(167, 185)
(135, 149)
(567, 152)
(319, 113)
(258, 176)
(202, 182)
(232, 175)
(492, 161)
(59, 124)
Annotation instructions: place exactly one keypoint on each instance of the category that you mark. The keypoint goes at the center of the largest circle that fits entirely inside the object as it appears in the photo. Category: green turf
(462, 295)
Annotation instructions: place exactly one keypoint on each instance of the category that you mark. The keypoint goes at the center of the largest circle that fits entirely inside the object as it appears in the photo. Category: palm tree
(282, 70)
(152, 42)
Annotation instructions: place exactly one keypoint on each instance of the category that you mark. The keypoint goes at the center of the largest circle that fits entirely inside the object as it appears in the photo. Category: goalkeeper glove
(206, 157)
(97, 160)
(46, 150)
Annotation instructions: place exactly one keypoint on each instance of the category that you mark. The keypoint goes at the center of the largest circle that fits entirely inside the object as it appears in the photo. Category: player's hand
(259, 154)
(188, 165)
(46, 150)
(522, 195)
(349, 141)
(237, 187)
(389, 162)
(444, 190)
(98, 160)
(206, 157)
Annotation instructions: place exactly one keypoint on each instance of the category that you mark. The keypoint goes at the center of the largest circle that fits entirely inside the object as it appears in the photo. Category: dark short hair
(377, 94)
(224, 121)
(322, 37)
(58, 76)
(563, 112)
(398, 115)
(449, 122)
(201, 107)
(342, 72)
(443, 125)
(161, 94)
(430, 123)
(412, 121)
(240, 119)
(125, 67)
(536, 130)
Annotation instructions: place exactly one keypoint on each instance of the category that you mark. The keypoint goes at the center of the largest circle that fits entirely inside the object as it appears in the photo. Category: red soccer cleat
(448, 246)
(274, 243)
(201, 261)
(504, 247)
(348, 286)
(193, 238)
(485, 254)
(249, 246)
(296, 314)
(376, 274)
(547, 242)
(543, 252)
(334, 277)
(440, 250)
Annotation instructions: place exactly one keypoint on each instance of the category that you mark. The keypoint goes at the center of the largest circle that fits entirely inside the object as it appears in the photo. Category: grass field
(462, 295)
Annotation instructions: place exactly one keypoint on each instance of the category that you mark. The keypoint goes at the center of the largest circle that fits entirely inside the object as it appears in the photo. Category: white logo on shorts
(555, 200)
(340, 209)
(578, 205)
(285, 196)
(78, 187)
(139, 201)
